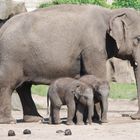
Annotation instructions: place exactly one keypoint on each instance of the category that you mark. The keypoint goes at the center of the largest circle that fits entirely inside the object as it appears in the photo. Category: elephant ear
(77, 91)
(117, 29)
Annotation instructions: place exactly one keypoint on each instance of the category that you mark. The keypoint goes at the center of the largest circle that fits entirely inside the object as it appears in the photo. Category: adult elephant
(61, 41)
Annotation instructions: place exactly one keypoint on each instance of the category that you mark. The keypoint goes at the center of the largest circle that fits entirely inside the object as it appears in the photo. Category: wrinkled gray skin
(63, 41)
(101, 93)
(68, 91)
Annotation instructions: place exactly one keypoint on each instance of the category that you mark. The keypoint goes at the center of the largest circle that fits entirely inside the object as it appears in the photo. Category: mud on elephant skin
(68, 91)
(29, 54)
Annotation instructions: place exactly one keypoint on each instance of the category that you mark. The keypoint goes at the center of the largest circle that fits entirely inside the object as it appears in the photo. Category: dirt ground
(118, 127)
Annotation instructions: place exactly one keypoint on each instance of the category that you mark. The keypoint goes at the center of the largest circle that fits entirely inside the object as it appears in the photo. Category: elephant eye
(136, 41)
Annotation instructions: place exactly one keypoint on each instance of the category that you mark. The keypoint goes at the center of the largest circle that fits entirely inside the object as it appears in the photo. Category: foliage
(117, 90)
(40, 90)
(126, 3)
(55, 2)
(116, 4)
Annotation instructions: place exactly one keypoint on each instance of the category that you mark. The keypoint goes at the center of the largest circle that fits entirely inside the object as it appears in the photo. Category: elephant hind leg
(8, 81)
(29, 109)
(5, 105)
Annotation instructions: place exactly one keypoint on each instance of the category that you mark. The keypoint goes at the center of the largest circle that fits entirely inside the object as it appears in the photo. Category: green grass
(117, 90)
(40, 90)
(122, 91)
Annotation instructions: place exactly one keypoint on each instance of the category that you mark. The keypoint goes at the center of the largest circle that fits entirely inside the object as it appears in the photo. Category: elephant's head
(84, 94)
(81, 91)
(124, 29)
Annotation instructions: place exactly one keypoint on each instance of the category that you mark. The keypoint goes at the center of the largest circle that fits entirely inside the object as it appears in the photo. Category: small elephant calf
(101, 92)
(65, 91)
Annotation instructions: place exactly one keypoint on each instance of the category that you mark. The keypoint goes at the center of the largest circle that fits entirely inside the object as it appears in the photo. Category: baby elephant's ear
(78, 89)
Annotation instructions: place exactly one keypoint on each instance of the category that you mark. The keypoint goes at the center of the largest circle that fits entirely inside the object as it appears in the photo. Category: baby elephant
(101, 93)
(65, 91)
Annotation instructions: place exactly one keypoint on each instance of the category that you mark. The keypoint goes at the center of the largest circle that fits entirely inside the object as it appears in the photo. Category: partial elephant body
(61, 41)
(101, 93)
(10, 8)
(68, 91)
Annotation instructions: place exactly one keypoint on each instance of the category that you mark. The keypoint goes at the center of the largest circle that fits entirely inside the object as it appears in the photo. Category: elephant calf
(66, 91)
(101, 92)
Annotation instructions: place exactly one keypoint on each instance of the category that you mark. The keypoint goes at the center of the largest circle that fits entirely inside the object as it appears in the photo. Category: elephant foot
(104, 121)
(7, 120)
(29, 118)
(80, 123)
(70, 123)
(57, 122)
(135, 116)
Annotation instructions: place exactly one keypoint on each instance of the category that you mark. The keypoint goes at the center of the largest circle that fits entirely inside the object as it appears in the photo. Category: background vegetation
(116, 4)
(117, 90)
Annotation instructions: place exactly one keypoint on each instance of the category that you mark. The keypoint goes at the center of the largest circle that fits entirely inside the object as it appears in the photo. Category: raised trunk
(135, 62)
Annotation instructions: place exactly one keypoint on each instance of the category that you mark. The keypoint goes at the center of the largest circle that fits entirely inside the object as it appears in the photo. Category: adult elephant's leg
(8, 81)
(29, 109)
(137, 76)
(5, 105)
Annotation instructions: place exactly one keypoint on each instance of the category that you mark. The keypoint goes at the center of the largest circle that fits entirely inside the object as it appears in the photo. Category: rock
(11, 133)
(120, 71)
(27, 131)
(125, 115)
(59, 131)
(68, 132)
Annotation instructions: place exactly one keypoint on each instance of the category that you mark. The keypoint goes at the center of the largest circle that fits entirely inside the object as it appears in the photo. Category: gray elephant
(63, 41)
(10, 8)
(101, 92)
(68, 91)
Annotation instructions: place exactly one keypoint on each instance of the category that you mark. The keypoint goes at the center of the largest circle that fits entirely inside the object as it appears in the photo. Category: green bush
(126, 3)
(55, 2)
(116, 4)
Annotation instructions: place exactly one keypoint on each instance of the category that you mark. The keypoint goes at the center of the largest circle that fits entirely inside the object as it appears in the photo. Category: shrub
(126, 3)
(55, 2)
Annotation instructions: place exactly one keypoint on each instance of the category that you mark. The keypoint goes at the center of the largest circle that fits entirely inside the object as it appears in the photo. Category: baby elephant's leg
(71, 112)
(54, 114)
(98, 111)
(79, 114)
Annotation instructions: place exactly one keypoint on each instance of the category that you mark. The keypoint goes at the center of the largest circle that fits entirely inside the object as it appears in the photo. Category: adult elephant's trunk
(136, 67)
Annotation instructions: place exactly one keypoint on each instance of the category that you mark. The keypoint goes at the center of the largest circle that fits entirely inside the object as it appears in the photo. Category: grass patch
(40, 90)
(117, 90)
(122, 91)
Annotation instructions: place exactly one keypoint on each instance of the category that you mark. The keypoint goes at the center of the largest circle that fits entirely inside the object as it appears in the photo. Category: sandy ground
(118, 127)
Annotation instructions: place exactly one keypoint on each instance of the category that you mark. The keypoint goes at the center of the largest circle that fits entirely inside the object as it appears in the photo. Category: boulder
(120, 71)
